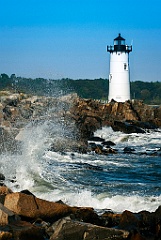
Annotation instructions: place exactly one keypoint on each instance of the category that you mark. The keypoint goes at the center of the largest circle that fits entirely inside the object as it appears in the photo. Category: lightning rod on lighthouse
(119, 77)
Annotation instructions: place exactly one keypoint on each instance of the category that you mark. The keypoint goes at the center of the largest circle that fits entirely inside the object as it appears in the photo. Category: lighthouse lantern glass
(119, 42)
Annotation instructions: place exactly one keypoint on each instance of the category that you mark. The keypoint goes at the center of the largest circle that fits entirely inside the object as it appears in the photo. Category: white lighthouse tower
(119, 77)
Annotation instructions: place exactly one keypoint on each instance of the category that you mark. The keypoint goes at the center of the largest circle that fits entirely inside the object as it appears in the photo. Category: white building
(119, 77)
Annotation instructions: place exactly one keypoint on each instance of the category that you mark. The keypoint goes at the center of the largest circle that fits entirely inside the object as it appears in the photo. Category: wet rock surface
(109, 147)
(130, 117)
(80, 117)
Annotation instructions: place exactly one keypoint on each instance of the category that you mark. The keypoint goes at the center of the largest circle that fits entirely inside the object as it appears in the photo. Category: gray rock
(74, 230)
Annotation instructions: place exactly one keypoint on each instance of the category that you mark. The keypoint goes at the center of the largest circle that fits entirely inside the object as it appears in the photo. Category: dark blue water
(118, 181)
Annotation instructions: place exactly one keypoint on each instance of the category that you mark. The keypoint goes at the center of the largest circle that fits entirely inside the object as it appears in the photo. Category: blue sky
(68, 38)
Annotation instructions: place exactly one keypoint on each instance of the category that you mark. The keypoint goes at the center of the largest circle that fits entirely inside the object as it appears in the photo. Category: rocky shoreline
(24, 216)
(81, 117)
(130, 117)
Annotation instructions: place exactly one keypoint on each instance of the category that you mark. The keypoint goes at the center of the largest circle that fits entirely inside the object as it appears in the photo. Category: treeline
(149, 92)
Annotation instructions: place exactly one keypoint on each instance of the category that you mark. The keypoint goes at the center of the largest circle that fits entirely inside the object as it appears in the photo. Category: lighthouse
(119, 77)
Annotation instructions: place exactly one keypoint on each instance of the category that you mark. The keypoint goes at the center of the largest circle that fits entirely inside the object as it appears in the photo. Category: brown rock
(25, 231)
(98, 150)
(138, 236)
(148, 221)
(5, 190)
(104, 114)
(7, 216)
(6, 235)
(129, 221)
(86, 214)
(111, 219)
(21, 230)
(110, 150)
(31, 207)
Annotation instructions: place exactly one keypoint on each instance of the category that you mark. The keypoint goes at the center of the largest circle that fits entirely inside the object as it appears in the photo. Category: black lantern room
(119, 45)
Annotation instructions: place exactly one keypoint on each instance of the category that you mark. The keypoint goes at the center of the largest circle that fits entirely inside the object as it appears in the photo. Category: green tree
(145, 94)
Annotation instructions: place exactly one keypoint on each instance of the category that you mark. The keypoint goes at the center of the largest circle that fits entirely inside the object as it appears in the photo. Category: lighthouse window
(125, 66)
(110, 77)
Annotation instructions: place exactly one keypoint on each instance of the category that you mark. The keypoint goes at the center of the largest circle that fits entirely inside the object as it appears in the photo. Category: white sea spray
(116, 182)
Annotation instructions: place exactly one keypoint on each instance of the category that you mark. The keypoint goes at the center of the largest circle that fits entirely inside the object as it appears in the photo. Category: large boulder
(126, 127)
(21, 231)
(72, 230)
(29, 206)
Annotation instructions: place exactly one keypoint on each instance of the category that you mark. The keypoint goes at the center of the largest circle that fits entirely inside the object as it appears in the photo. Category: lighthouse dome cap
(119, 37)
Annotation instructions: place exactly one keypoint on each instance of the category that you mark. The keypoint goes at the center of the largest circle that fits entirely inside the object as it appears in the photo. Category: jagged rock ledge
(82, 117)
(23, 216)
(131, 116)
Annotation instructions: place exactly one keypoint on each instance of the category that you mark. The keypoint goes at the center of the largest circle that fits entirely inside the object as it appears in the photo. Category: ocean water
(115, 181)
